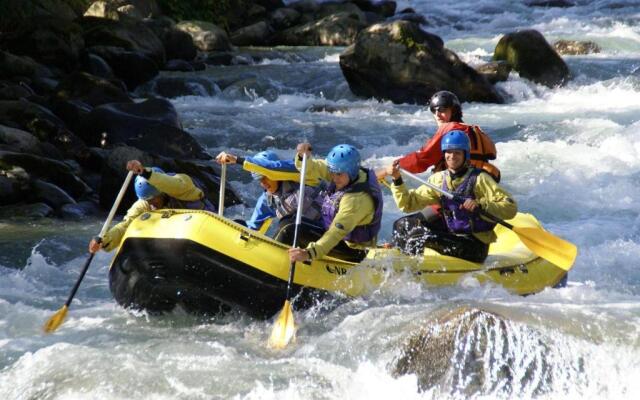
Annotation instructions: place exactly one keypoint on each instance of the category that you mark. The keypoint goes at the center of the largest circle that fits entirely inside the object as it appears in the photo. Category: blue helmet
(263, 159)
(145, 190)
(456, 140)
(344, 158)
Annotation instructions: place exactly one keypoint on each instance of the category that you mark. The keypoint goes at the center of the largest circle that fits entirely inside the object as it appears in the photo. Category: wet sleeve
(114, 236)
(261, 213)
(179, 186)
(355, 209)
(316, 169)
(416, 199)
(493, 199)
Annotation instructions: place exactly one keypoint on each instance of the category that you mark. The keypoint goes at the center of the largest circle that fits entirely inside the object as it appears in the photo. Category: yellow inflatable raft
(206, 263)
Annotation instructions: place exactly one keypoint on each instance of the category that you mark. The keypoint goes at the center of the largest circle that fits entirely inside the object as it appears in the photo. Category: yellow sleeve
(179, 186)
(494, 199)
(113, 237)
(355, 209)
(417, 199)
(316, 169)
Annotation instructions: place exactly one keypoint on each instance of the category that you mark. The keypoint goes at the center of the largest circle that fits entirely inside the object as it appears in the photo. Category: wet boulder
(114, 9)
(12, 65)
(133, 67)
(15, 91)
(129, 34)
(50, 194)
(256, 34)
(384, 8)
(495, 71)
(43, 124)
(206, 36)
(96, 65)
(398, 61)
(36, 167)
(114, 173)
(477, 352)
(283, 18)
(176, 86)
(151, 125)
(90, 89)
(36, 210)
(576, 47)
(532, 57)
(51, 41)
(19, 141)
(333, 30)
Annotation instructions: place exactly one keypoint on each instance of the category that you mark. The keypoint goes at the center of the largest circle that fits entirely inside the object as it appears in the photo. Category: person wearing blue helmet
(466, 234)
(155, 189)
(280, 197)
(351, 206)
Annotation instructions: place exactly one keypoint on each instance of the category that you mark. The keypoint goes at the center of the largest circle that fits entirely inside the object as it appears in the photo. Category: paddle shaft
(105, 226)
(453, 197)
(223, 182)
(292, 269)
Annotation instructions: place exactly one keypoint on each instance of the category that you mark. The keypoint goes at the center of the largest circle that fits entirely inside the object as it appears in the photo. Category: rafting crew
(155, 189)
(280, 197)
(351, 205)
(466, 234)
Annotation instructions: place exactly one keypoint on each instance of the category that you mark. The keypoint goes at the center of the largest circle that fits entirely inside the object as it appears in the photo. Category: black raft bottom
(159, 274)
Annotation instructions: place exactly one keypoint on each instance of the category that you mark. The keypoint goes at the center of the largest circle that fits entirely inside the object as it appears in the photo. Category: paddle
(223, 182)
(284, 328)
(56, 320)
(546, 245)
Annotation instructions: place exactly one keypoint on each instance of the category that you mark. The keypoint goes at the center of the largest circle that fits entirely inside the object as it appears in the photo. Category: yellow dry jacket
(178, 186)
(354, 209)
(489, 195)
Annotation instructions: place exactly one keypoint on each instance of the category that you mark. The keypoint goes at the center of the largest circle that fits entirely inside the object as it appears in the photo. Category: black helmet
(444, 98)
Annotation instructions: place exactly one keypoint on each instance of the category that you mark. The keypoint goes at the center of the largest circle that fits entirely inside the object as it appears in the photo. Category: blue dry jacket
(263, 211)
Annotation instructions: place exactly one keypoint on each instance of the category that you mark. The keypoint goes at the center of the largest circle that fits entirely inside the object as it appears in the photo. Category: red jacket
(482, 150)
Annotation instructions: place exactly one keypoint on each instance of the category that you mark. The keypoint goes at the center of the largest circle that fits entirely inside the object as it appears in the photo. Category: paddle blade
(56, 320)
(284, 329)
(548, 246)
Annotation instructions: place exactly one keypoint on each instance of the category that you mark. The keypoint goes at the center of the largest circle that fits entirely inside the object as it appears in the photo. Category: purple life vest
(459, 220)
(331, 204)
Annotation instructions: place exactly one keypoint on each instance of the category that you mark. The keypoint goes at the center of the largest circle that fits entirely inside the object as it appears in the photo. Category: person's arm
(416, 199)
(493, 199)
(113, 237)
(428, 155)
(179, 186)
(355, 209)
(316, 169)
(261, 213)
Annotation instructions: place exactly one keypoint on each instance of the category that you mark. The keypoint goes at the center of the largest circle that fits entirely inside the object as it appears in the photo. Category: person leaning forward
(351, 206)
(466, 234)
(155, 189)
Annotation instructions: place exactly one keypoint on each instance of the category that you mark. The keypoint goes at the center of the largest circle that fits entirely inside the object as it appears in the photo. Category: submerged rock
(576, 47)
(476, 352)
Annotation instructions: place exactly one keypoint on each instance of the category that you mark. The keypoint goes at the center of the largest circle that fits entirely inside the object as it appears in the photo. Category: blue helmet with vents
(145, 190)
(344, 158)
(456, 140)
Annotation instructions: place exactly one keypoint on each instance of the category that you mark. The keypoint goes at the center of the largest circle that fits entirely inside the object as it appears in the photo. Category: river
(570, 156)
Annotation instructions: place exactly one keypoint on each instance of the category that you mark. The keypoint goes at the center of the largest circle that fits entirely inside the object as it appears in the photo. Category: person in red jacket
(447, 112)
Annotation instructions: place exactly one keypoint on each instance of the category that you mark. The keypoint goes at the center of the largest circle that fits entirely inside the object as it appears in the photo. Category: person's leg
(309, 231)
(466, 247)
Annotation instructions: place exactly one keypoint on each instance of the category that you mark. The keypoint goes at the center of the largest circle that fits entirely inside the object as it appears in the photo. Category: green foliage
(217, 11)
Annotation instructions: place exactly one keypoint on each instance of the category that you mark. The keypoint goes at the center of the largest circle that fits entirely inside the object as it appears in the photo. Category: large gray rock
(333, 30)
(530, 54)
(19, 141)
(283, 18)
(15, 13)
(176, 86)
(400, 62)
(113, 9)
(256, 34)
(495, 71)
(50, 194)
(476, 352)
(206, 36)
(37, 210)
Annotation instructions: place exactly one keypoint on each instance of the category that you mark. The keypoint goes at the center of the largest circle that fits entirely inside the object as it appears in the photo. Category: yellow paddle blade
(548, 246)
(54, 322)
(284, 329)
